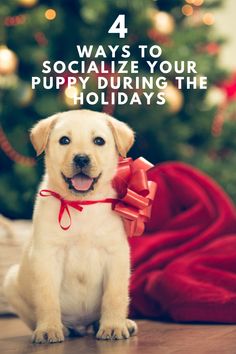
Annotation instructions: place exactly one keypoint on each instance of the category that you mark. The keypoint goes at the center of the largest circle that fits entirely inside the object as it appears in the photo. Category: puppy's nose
(81, 160)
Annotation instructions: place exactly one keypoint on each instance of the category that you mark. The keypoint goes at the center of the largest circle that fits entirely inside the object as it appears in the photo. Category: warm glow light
(8, 61)
(71, 91)
(69, 94)
(198, 2)
(187, 10)
(50, 14)
(208, 19)
(163, 22)
(190, 1)
(28, 3)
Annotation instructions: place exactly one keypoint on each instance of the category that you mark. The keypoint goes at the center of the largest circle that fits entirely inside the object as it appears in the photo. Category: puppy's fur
(70, 279)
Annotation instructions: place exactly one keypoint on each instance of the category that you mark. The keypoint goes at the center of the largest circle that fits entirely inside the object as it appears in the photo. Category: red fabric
(184, 267)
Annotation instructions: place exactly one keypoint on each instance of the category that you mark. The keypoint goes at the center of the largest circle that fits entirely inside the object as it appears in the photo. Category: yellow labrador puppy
(69, 279)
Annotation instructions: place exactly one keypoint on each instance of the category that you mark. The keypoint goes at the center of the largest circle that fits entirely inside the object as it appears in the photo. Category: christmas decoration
(7, 148)
(163, 22)
(69, 93)
(8, 61)
(187, 10)
(198, 2)
(34, 38)
(216, 96)
(229, 87)
(28, 3)
(11, 21)
(211, 48)
(208, 19)
(40, 38)
(219, 120)
(174, 98)
(50, 14)
(223, 96)
(194, 20)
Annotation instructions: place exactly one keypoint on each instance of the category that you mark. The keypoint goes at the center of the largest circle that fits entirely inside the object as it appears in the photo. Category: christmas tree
(188, 128)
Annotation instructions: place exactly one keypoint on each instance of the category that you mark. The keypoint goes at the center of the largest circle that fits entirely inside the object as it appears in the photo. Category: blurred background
(195, 126)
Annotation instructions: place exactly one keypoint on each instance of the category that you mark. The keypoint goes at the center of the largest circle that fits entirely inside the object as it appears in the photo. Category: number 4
(119, 26)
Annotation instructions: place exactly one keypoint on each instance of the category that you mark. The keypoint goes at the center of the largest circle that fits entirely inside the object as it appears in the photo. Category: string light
(198, 2)
(14, 20)
(195, 2)
(8, 61)
(40, 38)
(187, 10)
(10, 152)
(28, 3)
(208, 18)
(69, 94)
(50, 14)
(163, 22)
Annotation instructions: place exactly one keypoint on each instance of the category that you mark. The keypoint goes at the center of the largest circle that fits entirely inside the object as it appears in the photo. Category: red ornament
(229, 87)
(211, 48)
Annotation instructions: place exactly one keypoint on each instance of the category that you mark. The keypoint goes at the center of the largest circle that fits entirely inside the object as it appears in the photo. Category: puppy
(68, 280)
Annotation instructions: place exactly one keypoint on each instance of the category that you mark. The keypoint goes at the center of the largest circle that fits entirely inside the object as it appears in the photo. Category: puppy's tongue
(81, 182)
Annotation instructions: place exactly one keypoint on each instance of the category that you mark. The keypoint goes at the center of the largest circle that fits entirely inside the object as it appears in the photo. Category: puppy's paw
(132, 327)
(121, 330)
(48, 334)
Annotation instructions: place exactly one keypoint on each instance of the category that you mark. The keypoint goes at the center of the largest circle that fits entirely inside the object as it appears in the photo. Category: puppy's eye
(99, 141)
(64, 140)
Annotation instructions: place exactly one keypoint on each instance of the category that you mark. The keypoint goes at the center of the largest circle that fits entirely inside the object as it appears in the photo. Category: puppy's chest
(82, 284)
(83, 262)
(92, 219)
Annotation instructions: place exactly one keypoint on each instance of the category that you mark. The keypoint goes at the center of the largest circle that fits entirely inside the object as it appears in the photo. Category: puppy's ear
(39, 134)
(123, 135)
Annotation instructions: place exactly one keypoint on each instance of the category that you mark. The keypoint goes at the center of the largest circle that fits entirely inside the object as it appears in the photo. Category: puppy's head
(82, 149)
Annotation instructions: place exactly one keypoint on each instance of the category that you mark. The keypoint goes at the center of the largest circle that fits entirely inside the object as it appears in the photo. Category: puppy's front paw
(48, 334)
(132, 327)
(117, 331)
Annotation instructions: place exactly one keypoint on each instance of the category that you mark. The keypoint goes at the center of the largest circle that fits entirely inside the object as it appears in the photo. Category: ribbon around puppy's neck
(135, 196)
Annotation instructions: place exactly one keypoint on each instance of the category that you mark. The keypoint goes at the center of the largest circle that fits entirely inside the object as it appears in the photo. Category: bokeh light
(50, 14)
(208, 18)
(187, 10)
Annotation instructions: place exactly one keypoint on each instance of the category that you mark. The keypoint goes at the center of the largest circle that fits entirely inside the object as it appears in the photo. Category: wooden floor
(153, 338)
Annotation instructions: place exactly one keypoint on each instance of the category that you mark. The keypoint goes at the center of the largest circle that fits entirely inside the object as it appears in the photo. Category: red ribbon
(76, 204)
(135, 196)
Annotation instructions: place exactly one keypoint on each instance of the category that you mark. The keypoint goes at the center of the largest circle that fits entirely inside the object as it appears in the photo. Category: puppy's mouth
(81, 183)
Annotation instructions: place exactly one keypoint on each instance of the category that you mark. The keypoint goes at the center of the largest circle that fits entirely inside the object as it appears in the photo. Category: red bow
(135, 195)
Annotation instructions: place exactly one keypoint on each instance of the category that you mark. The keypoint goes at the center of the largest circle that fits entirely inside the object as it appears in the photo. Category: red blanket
(184, 267)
